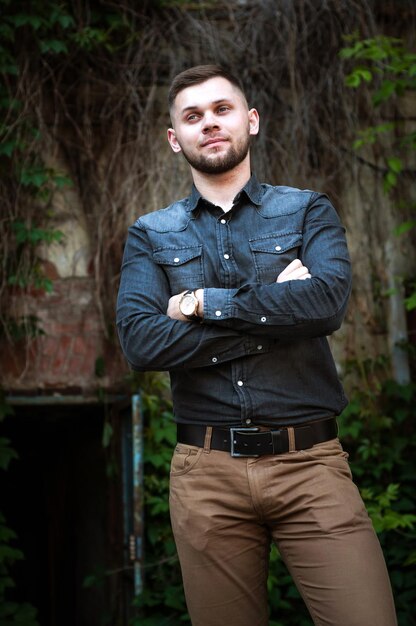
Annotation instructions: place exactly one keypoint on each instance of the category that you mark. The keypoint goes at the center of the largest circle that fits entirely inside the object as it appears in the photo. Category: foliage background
(82, 100)
(377, 429)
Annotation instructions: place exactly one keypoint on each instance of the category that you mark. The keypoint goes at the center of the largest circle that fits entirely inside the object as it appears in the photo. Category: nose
(210, 122)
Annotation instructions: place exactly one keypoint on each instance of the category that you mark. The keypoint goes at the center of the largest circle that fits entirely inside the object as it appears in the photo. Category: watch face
(188, 305)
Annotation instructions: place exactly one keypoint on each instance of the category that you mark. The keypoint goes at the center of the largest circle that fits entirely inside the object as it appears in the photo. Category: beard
(218, 164)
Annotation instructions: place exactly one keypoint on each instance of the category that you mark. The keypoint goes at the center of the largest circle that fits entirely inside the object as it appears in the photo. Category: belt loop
(291, 437)
(207, 441)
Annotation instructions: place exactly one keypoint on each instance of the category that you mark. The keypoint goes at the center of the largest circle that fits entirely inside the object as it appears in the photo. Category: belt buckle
(242, 429)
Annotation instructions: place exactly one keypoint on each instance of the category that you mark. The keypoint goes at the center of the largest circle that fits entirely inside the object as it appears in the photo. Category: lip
(213, 141)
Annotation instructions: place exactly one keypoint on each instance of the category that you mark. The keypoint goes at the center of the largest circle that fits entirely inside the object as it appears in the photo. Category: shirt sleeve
(297, 308)
(149, 338)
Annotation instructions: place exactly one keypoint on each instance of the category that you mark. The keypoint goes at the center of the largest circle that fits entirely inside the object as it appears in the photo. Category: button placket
(224, 246)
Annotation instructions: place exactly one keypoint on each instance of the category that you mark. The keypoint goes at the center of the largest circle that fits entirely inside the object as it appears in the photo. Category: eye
(223, 108)
(192, 117)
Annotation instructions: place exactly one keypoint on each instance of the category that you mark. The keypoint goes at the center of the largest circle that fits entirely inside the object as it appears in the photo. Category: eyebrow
(192, 107)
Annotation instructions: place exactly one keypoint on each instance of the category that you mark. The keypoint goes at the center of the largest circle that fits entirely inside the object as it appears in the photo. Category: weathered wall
(119, 174)
(65, 357)
(73, 350)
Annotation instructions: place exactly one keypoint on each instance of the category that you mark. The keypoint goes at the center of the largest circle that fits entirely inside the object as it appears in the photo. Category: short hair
(197, 75)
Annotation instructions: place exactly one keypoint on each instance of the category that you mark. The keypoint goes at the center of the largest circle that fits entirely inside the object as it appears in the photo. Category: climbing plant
(387, 67)
(84, 89)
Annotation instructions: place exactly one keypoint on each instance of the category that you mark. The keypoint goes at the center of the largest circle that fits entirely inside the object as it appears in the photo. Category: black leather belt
(253, 442)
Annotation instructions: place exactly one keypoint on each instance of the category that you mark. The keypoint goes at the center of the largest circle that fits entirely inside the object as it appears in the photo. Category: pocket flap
(176, 256)
(276, 243)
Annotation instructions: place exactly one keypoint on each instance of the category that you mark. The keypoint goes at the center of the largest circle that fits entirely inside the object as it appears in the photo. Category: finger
(292, 266)
(301, 272)
(298, 274)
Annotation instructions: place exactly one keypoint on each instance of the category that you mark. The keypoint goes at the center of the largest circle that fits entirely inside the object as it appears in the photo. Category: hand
(173, 306)
(294, 271)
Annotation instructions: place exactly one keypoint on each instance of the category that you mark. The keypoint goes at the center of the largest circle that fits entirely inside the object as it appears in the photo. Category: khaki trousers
(225, 511)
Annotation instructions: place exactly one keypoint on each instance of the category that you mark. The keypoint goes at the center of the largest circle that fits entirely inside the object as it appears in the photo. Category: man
(233, 290)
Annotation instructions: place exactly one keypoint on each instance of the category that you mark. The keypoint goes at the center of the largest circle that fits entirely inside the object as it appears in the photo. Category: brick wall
(64, 358)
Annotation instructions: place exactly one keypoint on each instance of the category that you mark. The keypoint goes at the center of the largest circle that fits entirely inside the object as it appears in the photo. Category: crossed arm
(294, 271)
(149, 320)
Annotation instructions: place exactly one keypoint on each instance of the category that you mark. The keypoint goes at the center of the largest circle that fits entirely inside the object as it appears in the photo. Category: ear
(254, 121)
(173, 141)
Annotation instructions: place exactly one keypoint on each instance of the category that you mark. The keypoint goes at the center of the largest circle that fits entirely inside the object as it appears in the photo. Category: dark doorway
(62, 498)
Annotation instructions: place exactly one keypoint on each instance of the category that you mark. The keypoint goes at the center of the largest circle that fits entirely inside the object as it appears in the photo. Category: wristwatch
(188, 305)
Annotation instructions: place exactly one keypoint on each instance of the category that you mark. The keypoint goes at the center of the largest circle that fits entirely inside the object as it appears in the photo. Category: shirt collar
(252, 189)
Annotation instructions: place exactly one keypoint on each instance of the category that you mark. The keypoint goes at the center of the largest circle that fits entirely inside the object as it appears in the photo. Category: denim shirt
(260, 355)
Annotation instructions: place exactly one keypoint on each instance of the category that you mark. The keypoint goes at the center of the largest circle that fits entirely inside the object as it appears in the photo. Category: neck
(221, 189)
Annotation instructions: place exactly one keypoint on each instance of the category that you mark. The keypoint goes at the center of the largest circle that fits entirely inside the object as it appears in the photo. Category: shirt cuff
(217, 303)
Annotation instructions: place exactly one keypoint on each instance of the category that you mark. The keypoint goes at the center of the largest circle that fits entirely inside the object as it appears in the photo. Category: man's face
(212, 126)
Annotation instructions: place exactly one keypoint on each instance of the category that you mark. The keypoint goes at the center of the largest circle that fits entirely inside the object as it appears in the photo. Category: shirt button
(226, 256)
(278, 248)
(214, 359)
(176, 259)
(263, 319)
(240, 383)
(248, 421)
(218, 313)
(260, 347)
(223, 221)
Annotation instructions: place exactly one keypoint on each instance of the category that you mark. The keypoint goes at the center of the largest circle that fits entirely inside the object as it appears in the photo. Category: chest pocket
(273, 252)
(183, 267)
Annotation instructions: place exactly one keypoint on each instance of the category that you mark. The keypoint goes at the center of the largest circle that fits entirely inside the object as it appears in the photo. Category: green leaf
(353, 80)
(390, 181)
(24, 19)
(411, 559)
(346, 53)
(395, 164)
(66, 21)
(9, 554)
(6, 453)
(353, 51)
(387, 89)
(410, 302)
(107, 434)
(7, 148)
(365, 74)
(6, 534)
(35, 235)
(6, 583)
(34, 176)
(6, 32)
(53, 45)
(61, 181)
(9, 68)
(409, 141)
(357, 75)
